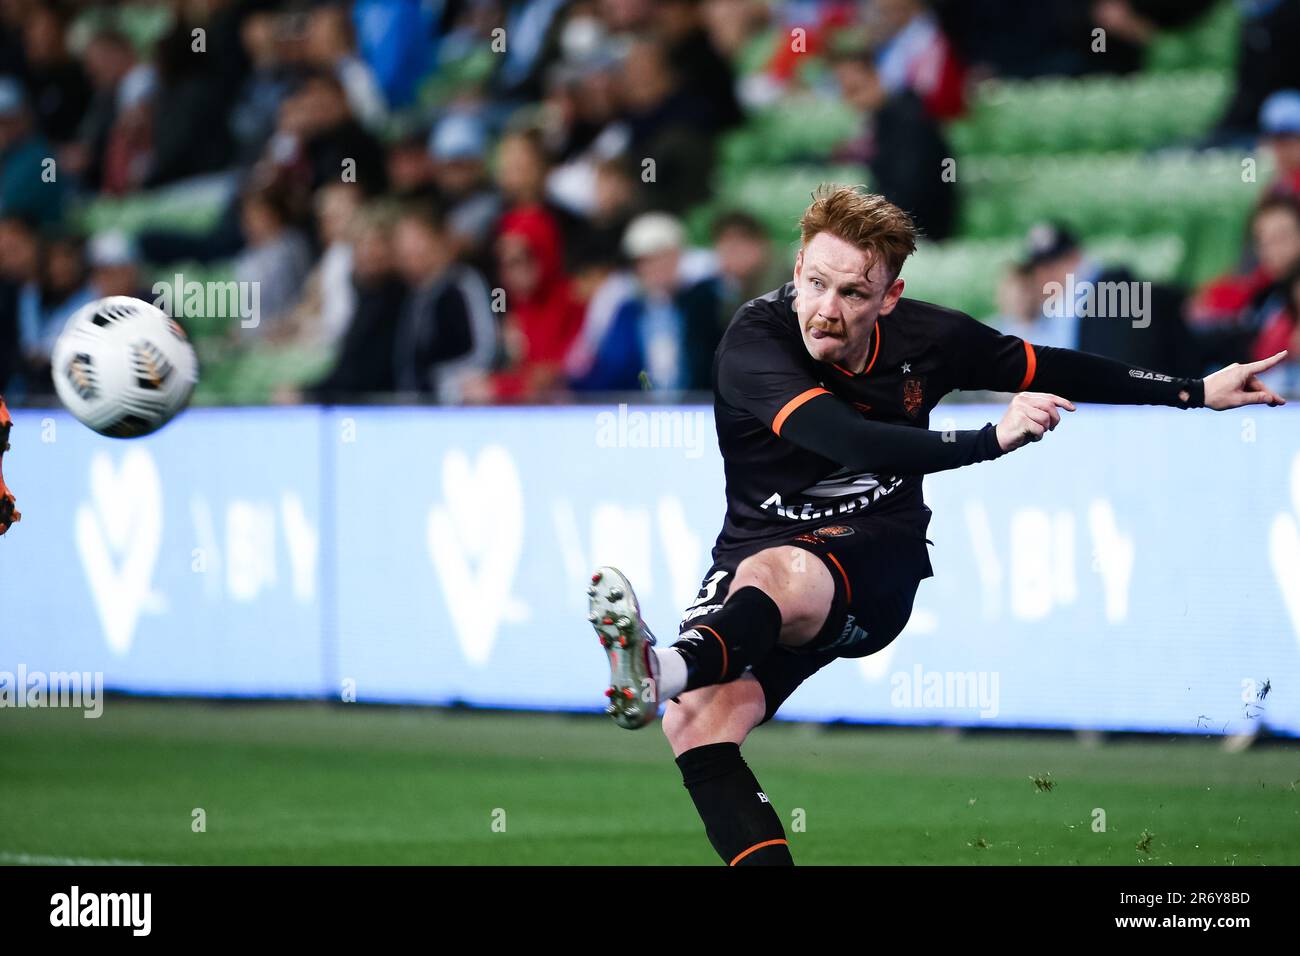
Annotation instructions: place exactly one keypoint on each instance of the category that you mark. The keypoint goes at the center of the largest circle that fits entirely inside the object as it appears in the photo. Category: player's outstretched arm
(1239, 385)
(828, 427)
(1084, 377)
(987, 359)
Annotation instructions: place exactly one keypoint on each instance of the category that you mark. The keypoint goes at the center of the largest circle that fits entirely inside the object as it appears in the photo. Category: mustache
(818, 324)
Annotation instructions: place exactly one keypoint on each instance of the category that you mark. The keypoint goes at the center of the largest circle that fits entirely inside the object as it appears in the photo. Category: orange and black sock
(740, 822)
(720, 646)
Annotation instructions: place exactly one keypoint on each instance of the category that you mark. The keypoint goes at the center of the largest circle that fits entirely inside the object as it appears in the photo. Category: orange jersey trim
(875, 334)
(1031, 366)
(794, 403)
(848, 588)
(705, 627)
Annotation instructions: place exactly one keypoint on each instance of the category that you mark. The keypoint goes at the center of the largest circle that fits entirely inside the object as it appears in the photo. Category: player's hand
(1029, 417)
(1238, 385)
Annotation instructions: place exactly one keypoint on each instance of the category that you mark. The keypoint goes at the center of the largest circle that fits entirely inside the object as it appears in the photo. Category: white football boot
(633, 667)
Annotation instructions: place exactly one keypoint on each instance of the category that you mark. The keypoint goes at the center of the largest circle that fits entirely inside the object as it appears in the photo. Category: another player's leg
(706, 728)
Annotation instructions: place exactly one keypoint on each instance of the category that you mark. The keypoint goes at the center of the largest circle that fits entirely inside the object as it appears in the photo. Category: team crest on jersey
(833, 531)
(913, 398)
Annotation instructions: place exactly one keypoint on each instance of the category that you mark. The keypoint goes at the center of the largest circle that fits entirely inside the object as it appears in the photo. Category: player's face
(839, 294)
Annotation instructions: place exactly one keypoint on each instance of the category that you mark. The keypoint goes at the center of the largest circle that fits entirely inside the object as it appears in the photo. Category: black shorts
(876, 567)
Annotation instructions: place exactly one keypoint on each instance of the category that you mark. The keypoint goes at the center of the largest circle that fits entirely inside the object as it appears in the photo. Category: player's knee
(768, 571)
(723, 713)
(676, 725)
(796, 580)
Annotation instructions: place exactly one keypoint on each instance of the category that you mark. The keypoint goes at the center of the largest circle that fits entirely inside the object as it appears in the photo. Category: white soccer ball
(124, 367)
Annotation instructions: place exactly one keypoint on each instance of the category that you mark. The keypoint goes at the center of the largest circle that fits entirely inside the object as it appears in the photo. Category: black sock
(740, 633)
(742, 826)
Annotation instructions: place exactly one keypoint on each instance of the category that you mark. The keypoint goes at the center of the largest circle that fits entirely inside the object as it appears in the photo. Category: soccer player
(822, 394)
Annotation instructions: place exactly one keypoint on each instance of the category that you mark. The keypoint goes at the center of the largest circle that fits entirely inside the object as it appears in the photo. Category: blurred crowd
(489, 200)
(1061, 293)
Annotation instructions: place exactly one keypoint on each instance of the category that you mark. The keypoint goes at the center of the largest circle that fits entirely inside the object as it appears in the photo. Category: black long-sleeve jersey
(805, 443)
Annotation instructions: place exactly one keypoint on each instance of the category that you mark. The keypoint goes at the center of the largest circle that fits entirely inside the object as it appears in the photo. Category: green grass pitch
(305, 783)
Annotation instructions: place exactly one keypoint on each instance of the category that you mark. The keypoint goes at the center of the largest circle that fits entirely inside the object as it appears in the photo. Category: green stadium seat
(1093, 114)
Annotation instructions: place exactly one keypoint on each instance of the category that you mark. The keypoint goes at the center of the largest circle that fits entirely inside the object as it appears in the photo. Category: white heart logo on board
(119, 534)
(475, 539)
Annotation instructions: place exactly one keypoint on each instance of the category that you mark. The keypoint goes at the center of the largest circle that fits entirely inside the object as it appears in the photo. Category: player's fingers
(1045, 404)
(1257, 393)
(1036, 401)
(1038, 416)
(1254, 368)
(1058, 401)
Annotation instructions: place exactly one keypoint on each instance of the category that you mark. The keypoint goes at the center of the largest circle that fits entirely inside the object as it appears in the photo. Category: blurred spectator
(800, 34)
(521, 177)
(901, 145)
(331, 45)
(668, 326)
(20, 264)
(109, 59)
(318, 140)
(115, 267)
(128, 151)
(1265, 64)
(912, 53)
(613, 206)
(581, 99)
(746, 266)
(276, 260)
(189, 95)
(1147, 331)
(740, 30)
(1131, 25)
(1279, 126)
(458, 149)
(1017, 38)
(365, 361)
(447, 334)
(698, 64)
(666, 124)
(1019, 309)
(262, 91)
(46, 304)
(533, 26)
(1026, 38)
(1281, 331)
(328, 300)
(395, 37)
(543, 313)
(1229, 313)
(57, 87)
(27, 187)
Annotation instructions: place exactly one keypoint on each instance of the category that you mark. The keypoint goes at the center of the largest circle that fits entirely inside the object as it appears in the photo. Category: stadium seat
(1094, 114)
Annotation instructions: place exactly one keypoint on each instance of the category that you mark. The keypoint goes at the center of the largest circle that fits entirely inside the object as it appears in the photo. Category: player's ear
(798, 265)
(892, 295)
